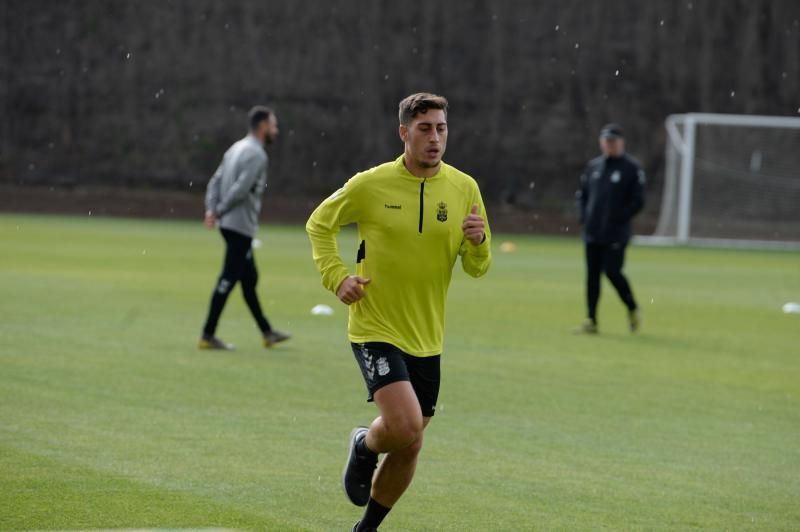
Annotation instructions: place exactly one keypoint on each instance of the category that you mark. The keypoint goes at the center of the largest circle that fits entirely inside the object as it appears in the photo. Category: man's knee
(412, 445)
(407, 430)
(595, 271)
(224, 285)
(401, 422)
(416, 446)
(410, 452)
(249, 282)
(615, 276)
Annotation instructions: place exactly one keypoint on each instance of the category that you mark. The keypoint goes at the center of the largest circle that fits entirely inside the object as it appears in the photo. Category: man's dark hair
(258, 114)
(418, 103)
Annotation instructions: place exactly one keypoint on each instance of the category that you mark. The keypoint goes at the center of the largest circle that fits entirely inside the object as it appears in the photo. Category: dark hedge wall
(149, 93)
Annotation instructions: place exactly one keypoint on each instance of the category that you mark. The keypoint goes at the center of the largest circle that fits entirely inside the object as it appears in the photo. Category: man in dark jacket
(611, 194)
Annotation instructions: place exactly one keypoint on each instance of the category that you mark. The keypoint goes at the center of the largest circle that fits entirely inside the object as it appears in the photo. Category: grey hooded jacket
(234, 191)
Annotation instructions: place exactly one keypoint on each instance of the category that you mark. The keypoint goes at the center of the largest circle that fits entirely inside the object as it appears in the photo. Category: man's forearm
(326, 257)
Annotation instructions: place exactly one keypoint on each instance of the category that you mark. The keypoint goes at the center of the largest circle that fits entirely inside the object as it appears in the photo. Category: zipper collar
(403, 171)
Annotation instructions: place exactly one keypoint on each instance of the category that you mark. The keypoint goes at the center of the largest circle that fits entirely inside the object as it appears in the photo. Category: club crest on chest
(441, 211)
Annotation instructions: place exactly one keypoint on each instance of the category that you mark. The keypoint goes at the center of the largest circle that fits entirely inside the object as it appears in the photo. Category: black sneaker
(358, 470)
(275, 337)
(355, 528)
(212, 342)
(634, 320)
(589, 326)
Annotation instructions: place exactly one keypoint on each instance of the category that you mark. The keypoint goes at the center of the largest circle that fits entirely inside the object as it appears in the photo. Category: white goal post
(730, 180)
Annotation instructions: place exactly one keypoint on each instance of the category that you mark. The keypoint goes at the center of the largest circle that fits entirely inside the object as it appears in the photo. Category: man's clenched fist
(352, 289)
(474, 228)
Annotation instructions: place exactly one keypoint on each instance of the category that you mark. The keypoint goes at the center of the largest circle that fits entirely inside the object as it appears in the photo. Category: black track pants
(608, 258)
(239, 266)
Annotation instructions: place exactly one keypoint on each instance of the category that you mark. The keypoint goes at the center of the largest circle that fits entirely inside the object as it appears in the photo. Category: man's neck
(420, 171)
(258, 140)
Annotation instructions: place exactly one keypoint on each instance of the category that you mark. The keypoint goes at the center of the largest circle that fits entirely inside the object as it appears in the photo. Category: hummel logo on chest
(392, 206)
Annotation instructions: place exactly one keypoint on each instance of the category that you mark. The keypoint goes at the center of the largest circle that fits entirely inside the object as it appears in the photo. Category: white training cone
(322, 310)
(791, 308)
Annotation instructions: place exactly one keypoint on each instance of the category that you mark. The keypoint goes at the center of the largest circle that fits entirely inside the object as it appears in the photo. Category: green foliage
(110, 417)
(149, 94)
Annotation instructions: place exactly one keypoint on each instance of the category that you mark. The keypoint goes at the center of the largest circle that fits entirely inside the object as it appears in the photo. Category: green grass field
(111, 418)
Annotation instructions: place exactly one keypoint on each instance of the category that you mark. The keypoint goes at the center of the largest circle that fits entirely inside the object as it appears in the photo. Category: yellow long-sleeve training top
(410, 235)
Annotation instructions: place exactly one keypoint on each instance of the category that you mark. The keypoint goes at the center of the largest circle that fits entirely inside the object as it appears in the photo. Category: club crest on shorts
(441, 212)
(383, 366)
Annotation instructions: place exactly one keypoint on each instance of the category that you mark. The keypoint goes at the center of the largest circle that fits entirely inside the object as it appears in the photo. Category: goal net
(731, 180)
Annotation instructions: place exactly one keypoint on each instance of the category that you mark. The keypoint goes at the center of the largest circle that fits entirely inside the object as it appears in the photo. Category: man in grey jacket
(233, 201)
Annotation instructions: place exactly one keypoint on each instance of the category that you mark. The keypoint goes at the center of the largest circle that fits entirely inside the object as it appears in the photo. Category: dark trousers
(608, 258)
(239, 266)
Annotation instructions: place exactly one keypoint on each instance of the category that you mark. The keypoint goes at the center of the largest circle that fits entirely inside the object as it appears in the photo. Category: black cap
(612, 131)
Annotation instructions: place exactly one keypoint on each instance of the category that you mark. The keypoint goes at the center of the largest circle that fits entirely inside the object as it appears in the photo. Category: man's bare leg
(396, 471)
(398, 433)
(400, 422)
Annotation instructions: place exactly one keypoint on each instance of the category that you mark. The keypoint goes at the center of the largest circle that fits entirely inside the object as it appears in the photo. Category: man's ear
(403, 132)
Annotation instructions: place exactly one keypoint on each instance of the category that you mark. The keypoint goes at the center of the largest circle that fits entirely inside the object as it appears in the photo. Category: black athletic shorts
(383, 364)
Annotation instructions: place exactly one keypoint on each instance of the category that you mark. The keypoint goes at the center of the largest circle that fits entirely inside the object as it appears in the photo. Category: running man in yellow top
(415, 215)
